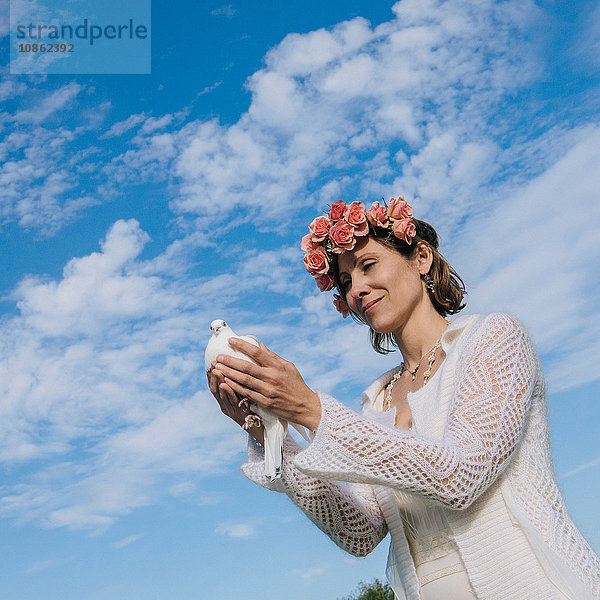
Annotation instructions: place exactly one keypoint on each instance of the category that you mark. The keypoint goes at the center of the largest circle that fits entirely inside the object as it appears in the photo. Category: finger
(269, 352)
(244, 392)
(259, 354)
(225, 395)
(213, 383)
(244, 379)
(239, 364)
(229, 394)
(271, 358)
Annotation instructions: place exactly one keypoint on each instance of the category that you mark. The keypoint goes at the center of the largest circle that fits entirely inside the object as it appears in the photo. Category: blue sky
(138, 208)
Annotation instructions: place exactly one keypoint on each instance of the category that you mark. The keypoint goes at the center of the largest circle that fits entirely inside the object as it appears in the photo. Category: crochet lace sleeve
(348, 513)
(487, 417)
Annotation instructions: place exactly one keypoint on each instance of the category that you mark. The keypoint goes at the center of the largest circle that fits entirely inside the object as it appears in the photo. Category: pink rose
(340, 305)
(377, 215)
(319, 228)
(356, 214)
(307, 243)
(337, 210)
(405, 230)
(399, 208)
(342, 237)
(316, 262)
(324, 282)
(362, 229)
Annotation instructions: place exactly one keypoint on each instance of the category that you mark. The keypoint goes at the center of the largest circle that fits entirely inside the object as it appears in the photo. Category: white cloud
(244, 529)
(326, 97)
(41, 565)
(44, 172)
(309, 574)
(148, 160)
(94, 291)
(536, 254)
(403, 106)
(11, 87)
(127, 541)
(107, 357)
(119, 128)
(225, 10)
(153, 123)
(50, 174)
(589, 465)
(210, 88)
(587, 47)
(56, 101)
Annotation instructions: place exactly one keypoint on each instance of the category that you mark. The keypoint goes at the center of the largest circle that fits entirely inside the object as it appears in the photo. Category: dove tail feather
(274, 434)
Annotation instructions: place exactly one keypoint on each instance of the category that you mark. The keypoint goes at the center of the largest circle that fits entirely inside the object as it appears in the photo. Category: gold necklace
(413, 373)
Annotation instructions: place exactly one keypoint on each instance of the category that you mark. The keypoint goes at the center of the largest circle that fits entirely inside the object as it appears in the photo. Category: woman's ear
(424, 257)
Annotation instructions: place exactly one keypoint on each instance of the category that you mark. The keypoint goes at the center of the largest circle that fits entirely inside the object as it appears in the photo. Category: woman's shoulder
(498, 324)
(466, 328)
(492, 319)
(496, 330)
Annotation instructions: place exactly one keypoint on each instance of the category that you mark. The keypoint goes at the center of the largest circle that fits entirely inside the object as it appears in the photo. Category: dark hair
(449, 288)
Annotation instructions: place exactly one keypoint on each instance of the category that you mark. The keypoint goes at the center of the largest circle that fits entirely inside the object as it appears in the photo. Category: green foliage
(372, 591)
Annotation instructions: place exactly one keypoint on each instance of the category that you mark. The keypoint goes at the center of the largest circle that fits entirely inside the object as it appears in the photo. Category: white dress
(441, 572)
(480, 452)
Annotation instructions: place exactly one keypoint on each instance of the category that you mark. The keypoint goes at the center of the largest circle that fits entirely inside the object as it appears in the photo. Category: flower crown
(337, 232)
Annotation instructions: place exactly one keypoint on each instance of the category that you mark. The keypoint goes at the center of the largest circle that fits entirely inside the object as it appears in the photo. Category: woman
(451, 453)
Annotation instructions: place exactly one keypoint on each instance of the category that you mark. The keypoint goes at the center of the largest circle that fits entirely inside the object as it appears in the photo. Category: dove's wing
(210, 353)
(236, 353)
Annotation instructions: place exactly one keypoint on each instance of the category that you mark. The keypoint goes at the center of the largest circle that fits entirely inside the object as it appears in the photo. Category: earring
(428, 279)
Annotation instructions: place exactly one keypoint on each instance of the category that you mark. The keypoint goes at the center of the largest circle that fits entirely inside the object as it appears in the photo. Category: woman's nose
(359, 288)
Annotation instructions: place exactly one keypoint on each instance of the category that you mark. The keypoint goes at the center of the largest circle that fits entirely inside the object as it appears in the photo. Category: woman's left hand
(273, 383)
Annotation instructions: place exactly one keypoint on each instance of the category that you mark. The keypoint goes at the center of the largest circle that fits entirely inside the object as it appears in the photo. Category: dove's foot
(243, 403)
(251, 421)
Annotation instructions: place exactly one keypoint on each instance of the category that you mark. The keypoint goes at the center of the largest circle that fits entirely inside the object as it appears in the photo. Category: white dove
(275, 428)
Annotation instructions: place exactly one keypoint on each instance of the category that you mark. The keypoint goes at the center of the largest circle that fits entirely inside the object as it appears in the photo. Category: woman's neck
(420, 334)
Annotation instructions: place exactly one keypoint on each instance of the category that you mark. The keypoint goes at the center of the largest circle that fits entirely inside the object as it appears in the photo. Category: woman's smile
(369, 305)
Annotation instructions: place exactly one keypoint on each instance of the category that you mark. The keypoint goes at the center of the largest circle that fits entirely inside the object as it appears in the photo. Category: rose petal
(341, 305)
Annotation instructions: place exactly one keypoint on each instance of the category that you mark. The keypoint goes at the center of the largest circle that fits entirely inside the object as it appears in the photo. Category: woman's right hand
(230, 403)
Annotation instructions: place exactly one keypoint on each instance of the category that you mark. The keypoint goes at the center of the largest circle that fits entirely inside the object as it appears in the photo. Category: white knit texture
(497, 407)
(347, 513)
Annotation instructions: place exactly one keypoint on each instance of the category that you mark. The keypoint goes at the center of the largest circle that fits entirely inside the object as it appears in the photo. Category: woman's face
(381, 286)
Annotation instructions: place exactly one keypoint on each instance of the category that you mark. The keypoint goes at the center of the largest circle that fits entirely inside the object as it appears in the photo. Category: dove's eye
(224, 324)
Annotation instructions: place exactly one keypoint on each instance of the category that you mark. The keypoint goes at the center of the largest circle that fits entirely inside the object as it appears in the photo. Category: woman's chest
(424, 410)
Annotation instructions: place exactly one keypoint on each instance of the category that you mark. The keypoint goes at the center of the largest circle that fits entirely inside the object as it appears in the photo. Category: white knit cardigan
(479, 448)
